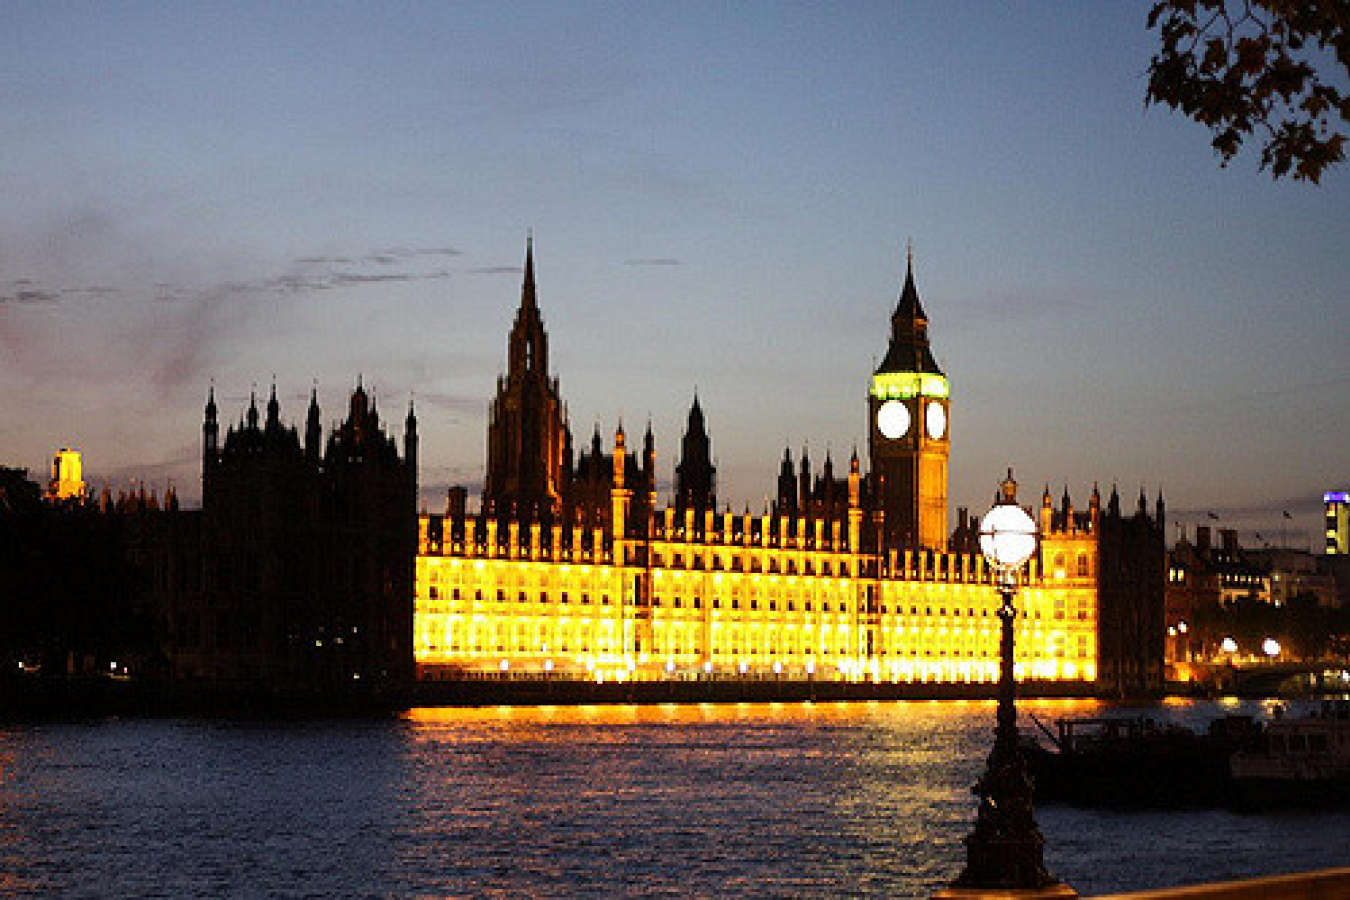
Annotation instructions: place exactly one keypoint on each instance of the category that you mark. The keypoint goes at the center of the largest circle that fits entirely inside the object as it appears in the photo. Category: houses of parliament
(309, 570)
(572, 566)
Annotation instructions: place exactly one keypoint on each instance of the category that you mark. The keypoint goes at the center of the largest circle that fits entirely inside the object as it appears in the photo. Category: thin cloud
(456, 403)
(28, 292)
(495, 270)
(325, 260)
(656, 261)
(293, 284)
(178, 467)
(29, 296)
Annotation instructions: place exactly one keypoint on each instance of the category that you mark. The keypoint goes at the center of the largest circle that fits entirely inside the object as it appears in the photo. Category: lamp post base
(1005, 852)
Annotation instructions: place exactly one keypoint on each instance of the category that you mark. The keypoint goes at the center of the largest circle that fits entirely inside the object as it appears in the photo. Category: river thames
(746, 800)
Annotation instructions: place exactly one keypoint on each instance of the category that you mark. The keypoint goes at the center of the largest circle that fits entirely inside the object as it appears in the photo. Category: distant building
(295, 576)
(67, 476)
(572, 568)
(306, 555)
(1295, 574)
(1338, 522)
(1204, 575)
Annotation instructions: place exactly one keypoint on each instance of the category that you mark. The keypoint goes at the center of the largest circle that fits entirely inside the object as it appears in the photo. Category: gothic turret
(787, 484)
(313, 429)
(804, 482)
(410, 441)
(527, 436)
(696, 476)
(210, 431)
(649, 454)
(273, 410)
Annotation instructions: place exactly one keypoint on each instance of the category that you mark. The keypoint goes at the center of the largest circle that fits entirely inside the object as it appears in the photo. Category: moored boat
(1301, 761)
(1237, 763)
(1135, 762)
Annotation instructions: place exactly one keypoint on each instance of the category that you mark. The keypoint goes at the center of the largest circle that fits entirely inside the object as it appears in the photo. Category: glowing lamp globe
(1007, 536)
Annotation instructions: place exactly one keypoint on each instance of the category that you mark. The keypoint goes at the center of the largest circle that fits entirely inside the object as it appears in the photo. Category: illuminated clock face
(937, 421)
(893, 419)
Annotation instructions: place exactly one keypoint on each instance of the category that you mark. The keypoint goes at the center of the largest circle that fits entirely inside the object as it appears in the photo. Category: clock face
(893, 419)
(937, 421)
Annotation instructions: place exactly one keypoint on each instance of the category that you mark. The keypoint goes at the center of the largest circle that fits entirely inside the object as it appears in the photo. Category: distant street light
(1228, 645)
(1270, 647)
(1005, 852)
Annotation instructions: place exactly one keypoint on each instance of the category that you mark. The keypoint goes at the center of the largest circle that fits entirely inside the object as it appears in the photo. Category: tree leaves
(1249, 69)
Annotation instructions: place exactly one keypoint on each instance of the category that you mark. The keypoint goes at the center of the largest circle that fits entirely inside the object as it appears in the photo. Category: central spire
(527, 296)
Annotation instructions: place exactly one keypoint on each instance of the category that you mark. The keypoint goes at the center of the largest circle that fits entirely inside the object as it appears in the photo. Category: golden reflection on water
(774, 712)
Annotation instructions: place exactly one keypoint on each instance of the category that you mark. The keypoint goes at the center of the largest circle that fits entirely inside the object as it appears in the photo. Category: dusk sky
(720, 196)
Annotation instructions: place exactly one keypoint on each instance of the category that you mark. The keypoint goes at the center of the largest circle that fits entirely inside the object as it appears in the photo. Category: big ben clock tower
(908, 434)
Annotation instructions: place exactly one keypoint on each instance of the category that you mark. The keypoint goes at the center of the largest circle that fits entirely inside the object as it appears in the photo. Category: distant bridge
(1261, 679)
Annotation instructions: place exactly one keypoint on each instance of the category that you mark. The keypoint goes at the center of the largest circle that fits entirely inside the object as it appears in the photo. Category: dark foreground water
(767, 800)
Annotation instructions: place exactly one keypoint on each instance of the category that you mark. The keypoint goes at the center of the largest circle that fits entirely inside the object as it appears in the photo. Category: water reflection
(763, 800)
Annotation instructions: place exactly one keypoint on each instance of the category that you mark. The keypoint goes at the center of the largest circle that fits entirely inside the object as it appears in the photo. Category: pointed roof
(909, 306)
(909, 350)
(273, 407)
(528, 300)
(696, 417)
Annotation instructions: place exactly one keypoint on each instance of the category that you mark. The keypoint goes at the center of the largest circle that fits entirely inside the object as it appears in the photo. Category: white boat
(1300, 760)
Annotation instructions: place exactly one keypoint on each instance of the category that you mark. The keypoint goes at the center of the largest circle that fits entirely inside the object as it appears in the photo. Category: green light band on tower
(886, 385)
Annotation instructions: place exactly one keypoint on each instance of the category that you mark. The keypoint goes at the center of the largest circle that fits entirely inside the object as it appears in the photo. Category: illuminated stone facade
(850, 579)
(730, 594)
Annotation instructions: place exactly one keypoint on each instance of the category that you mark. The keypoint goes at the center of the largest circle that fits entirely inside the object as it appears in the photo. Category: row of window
(541, 638)
(1080, 610)
(1083, 567)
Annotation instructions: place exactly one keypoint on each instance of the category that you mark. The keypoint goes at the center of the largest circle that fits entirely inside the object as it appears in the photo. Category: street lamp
(1005, 851)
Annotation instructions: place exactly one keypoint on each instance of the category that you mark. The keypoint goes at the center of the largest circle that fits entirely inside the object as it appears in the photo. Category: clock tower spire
(908, 438)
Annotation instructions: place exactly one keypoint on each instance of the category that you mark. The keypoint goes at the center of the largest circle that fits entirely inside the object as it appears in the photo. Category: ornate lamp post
(1004, 853)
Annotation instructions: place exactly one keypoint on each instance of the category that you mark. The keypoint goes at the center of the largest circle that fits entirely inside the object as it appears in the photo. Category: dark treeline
(69, 592)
